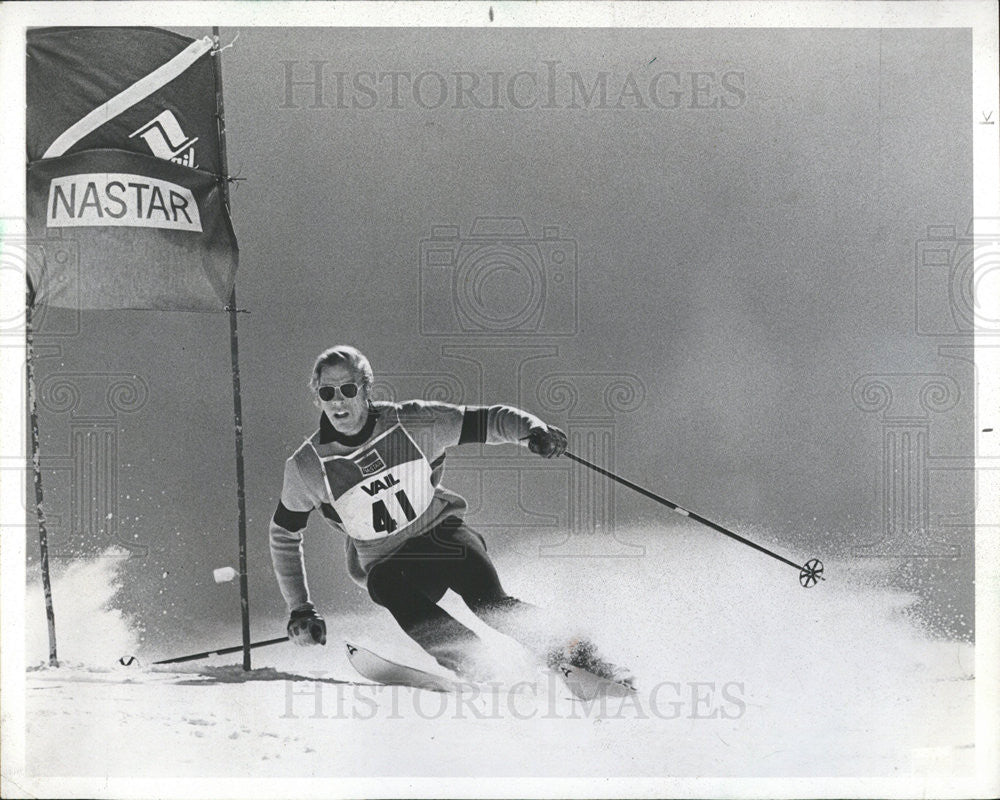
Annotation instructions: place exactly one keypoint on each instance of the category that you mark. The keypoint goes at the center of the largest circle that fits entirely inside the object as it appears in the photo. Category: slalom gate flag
(125, 204)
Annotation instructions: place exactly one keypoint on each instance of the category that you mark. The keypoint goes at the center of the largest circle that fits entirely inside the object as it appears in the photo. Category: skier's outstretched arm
(501, 424)
(305, 626)
(452, 425)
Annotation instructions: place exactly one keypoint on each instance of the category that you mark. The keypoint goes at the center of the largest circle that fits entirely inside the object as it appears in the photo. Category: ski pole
(207, 653)
(809, 573)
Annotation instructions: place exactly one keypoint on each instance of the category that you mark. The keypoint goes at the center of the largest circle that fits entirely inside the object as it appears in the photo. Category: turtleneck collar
(328, 433)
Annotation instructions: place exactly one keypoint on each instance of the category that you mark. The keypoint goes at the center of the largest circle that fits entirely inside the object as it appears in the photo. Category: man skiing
(374, 469)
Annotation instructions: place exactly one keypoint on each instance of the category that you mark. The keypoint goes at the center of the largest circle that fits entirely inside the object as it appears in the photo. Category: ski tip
(586, 685)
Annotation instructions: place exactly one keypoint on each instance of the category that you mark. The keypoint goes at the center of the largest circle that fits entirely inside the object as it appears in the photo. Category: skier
(373, 469)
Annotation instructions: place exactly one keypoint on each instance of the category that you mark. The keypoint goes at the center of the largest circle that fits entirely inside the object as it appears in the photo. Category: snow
(742, 674)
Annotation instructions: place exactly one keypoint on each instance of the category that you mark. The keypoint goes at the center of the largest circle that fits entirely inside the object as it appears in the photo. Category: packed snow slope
(741, 672)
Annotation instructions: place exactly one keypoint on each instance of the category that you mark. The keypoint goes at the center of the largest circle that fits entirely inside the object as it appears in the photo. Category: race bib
(381, 488)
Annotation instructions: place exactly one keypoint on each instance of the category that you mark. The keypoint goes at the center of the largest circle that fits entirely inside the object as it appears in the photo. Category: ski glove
(548, 442)
(306, 627)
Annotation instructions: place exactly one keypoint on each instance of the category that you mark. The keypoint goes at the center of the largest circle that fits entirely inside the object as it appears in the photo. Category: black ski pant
(411, 581)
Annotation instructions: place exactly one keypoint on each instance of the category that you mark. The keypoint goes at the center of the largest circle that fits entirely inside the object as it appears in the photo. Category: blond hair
(350, 357)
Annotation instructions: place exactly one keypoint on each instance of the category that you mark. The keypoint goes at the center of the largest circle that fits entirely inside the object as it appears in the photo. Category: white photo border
(980, 17)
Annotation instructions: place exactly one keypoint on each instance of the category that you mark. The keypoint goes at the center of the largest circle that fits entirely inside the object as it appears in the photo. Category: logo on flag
(113, 198)
(166, 139)
(370, 463)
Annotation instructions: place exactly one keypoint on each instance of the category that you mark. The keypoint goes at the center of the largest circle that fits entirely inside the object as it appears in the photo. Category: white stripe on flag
(135, 93)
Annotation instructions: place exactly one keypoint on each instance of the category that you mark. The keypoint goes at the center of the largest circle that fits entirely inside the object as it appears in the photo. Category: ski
(382, 670)
(582, 684)
(586, 685)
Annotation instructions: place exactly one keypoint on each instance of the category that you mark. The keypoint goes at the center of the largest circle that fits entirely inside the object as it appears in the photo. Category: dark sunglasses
(327, 393)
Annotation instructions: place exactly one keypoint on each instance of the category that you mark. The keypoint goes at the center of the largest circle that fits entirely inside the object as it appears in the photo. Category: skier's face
(347, 414)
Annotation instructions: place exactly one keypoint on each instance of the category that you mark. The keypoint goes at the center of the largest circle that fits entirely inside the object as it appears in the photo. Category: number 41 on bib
(383, 521)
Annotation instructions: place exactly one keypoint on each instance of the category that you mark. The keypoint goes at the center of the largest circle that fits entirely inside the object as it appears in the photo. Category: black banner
(124, 194)
(120, 230)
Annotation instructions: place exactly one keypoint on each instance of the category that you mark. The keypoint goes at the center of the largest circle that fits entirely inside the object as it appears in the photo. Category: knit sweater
(381, 486)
